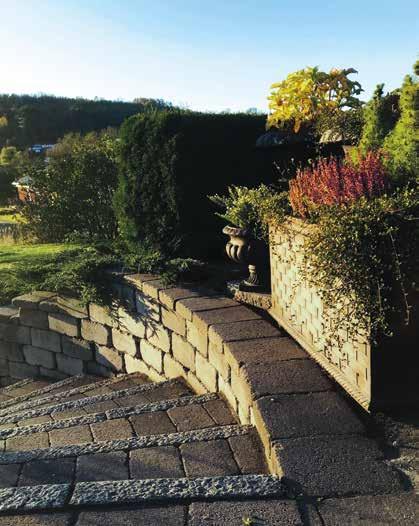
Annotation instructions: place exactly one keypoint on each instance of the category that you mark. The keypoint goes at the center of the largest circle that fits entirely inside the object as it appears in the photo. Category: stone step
(131, 492)
(217, 451)
(37, 389)
(66, 389)
(142, 393)
(23, 388)
(180, 414)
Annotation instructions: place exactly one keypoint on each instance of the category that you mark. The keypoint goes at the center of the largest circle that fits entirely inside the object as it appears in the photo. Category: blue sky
(205, 54)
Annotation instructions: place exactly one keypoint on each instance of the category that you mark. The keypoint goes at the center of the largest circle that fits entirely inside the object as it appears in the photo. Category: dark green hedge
(170, 163)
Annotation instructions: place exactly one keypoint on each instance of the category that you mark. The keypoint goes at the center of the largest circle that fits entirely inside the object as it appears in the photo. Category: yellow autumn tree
(308, 93)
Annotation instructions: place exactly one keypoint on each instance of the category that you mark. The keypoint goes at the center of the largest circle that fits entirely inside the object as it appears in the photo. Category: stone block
(70, 366)
(23, 370)
(36, 356)
(52, 373)
(11, 351)
(137, 280)
(109, 358)
(157, 423)
(147, 307)
(65, 305)
(99, 370)
(4, 371)
(124, 342)
(187, 307)
(33, 318)
(169, 297)
(218, 361)
(183, 352)
(152, 356)
(198, 339)
(77, 348)
(204, 319)
(151, 288)
(241, 389)
(220, 412)
(242, 330)
(135, 365)
(70, 436)
(174, 322)
(146, 516)
(227, 392)
(48, 340)
(32, 300)
(156, 462)
(64, 324)
(15, 334)
(103, 315)
(196, 384)
(132, 323)
(172, 368)
(102, 466)
(206, 373)
(118, 429)
(94, 332)
(208, 459)
(6, 313)
(262, 350)
(190, 417)
(159, 337)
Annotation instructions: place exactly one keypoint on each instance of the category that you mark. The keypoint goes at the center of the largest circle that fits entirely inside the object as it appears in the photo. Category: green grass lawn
(17, 263)
(8, 215)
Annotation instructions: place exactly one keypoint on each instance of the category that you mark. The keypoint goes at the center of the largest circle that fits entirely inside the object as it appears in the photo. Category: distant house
(25, 193)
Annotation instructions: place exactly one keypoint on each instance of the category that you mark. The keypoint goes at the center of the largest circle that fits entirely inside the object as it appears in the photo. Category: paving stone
(328, 466)
(208, 459)
(186, 307)
(286, 416)
(100, 407)
(36, 356)
(40, 519)
(64, 415)
(242, 330)
(34, 497)
(133, 400)
(33, 318)
(204, 319)
(48, 340)
(152, 424)
(190, 417)
(111, 429)
(173, 515)
(77, 348)
(70, 435)
(99, 370)
(376, 510)
(102, 466)
(34, 421)
(234, 513)
(60, 471)
(9, 474)
(94, 332)
(262, 350)
(248, 453)
(169, 392)
(220, 412)
(127, 383)
(63, 324)
(156, 462)
(26, 442)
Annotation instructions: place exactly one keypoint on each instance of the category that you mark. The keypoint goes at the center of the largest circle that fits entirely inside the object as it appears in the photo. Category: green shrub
(402, 144)
(170, 163)
(74, 190)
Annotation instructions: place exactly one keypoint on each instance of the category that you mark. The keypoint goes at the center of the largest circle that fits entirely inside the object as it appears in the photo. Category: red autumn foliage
(331, 182)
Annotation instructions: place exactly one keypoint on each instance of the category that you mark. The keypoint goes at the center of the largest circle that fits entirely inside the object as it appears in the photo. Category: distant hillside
(29, 119)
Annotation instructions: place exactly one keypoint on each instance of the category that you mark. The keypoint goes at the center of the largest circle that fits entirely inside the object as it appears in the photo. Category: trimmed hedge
(170, 162)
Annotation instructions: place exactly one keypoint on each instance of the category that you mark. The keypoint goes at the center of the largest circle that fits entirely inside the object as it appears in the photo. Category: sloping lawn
(17, 264)
(9, 215)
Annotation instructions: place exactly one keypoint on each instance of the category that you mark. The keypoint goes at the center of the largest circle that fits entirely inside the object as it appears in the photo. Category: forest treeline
(42, 119)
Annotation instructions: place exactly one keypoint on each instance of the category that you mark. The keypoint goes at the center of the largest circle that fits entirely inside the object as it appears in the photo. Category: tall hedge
(170, 162)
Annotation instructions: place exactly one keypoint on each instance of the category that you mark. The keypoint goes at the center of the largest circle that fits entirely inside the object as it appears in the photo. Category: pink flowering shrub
(331, 182)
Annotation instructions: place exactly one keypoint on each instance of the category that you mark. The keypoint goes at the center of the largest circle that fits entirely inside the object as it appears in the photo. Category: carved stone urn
(243, 248)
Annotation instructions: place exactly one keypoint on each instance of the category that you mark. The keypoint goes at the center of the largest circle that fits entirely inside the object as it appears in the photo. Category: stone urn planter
(243, 248)
(380, 375)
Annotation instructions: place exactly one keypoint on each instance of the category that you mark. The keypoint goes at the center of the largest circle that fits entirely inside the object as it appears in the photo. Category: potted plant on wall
(248, 233)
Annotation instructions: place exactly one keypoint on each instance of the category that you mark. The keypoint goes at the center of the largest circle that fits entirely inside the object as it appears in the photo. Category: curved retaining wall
(213, 342)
